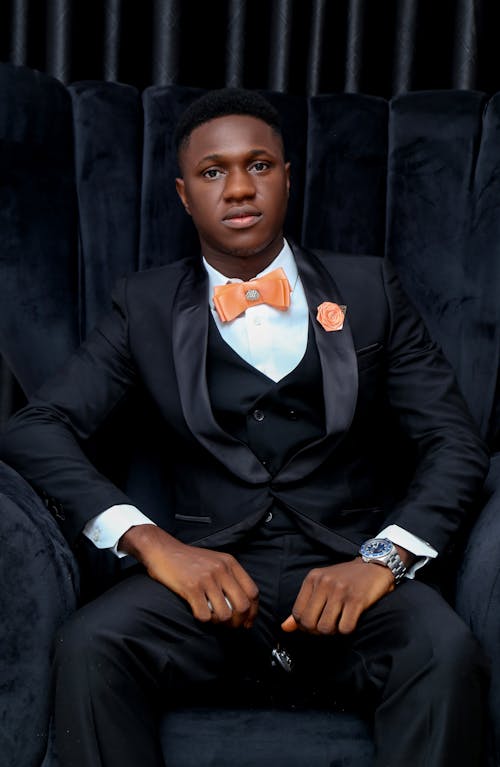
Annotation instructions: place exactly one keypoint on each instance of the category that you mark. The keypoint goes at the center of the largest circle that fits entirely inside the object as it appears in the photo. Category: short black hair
(221, 103)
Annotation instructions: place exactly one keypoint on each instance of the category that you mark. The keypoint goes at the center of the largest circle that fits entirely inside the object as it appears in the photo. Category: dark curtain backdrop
(377, 47)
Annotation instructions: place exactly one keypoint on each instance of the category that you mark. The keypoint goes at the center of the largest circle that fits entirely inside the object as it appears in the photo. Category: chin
(246, 250)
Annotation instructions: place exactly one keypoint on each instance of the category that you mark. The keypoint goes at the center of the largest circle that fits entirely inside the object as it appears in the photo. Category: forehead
(230, 136)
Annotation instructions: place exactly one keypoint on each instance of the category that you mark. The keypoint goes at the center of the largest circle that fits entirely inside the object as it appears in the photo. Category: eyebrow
(218, 157)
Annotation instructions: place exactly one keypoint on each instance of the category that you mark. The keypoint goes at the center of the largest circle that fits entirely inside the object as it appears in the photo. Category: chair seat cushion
(265, 737)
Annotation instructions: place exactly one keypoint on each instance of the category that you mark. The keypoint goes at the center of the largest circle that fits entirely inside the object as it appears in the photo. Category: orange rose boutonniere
(331, 316)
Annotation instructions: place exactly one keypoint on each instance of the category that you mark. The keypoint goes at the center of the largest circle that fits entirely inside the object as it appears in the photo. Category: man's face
(235, 186)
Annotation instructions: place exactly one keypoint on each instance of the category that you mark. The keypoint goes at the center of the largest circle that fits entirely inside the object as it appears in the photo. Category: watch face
(376, 547)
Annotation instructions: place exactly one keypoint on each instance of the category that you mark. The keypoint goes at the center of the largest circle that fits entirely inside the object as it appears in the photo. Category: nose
(239, 185)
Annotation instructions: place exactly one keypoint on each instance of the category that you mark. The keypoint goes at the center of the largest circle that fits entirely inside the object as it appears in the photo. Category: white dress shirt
(274, 342)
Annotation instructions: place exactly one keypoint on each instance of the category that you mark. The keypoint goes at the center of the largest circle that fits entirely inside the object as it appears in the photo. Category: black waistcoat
(274, 419)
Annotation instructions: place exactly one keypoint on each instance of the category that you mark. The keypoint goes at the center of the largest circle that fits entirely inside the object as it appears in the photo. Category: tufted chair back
(87, 195)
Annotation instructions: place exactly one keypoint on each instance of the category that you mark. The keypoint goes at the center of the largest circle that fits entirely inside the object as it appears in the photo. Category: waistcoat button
(269, 516)
(258, 415)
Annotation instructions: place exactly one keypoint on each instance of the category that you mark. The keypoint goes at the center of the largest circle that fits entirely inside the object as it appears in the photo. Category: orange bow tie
(233, 299)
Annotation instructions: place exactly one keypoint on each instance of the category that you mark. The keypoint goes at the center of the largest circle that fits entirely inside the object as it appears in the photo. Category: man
(285, 529)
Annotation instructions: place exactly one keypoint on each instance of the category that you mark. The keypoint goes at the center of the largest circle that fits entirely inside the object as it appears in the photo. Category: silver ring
(210, 606)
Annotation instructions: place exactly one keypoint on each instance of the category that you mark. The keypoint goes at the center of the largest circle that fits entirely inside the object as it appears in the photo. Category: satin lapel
(189, 338)
(338, 364)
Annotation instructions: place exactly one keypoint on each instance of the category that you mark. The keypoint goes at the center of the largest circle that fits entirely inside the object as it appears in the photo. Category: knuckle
(254, 593)
(347, 627)
(308, 625)
(202, 615)
(243, 605)
(356, 602)
(305, 623)
(340, 590)
(190, 586)
(218, 566)
(324, 628)
(314, 574)
(238, 607)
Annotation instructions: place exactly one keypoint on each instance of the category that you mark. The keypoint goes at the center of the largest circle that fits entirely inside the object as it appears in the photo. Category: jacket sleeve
(45, 441)
(452, 458)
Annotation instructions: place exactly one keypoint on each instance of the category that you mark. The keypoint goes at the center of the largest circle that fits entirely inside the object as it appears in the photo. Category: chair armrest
(39, 590)
(492, 483)
(478, 587)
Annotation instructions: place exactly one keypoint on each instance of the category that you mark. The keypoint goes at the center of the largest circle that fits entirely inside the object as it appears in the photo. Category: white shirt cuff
(106, 529)
(410, 542)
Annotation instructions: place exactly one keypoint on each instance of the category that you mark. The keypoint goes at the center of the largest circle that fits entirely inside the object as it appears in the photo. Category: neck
(243, 265)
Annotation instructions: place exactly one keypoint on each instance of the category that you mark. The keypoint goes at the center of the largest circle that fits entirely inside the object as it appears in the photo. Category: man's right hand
(206, 579)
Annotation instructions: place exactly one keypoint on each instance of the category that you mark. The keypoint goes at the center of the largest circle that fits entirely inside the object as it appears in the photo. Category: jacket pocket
(193, 518)
(369, 355)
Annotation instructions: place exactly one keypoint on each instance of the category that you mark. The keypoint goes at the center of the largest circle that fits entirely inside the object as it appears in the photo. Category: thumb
(290, 624)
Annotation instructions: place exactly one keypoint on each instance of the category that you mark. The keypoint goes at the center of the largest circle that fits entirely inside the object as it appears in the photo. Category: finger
(244, 610)
(219, 605)
(290, 624)
(303, 598)
(312, 613)
(294, 620)
(253, 609)
(245, 581)
(210, 606)
(331, 614)
(250, 591)
(310, 603)
(201, 608)
(251, 614)
(349, 617)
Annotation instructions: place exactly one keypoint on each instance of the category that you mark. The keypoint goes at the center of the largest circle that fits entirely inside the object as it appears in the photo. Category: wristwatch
(382, 551)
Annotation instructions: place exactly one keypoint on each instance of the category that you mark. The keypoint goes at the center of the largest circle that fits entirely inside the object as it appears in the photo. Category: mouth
(241, 218)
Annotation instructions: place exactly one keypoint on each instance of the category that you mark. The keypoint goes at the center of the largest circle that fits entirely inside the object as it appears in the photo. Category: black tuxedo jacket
(383, 379)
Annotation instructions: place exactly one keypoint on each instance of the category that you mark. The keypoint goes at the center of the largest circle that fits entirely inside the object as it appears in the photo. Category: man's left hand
(332, 598)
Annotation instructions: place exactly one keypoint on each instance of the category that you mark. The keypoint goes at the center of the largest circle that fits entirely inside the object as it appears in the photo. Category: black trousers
(411, 661)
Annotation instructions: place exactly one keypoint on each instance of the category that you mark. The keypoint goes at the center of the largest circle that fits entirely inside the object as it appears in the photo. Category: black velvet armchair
(87, 195)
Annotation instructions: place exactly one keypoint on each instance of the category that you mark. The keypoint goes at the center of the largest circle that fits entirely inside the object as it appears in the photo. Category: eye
(211, 173)
(260, 166)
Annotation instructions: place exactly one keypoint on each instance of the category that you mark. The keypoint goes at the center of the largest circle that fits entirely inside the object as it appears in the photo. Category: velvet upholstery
(87, 194)
(478, 591)
(31, 609)
(250, 737)
(444, 168)
(38, 216)
(346, 174)
(108, 139)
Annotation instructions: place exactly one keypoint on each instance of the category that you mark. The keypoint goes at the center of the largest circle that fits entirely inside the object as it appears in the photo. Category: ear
(181, 191)
(287, 171)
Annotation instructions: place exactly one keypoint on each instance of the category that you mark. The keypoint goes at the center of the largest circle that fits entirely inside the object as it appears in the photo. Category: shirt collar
(285, 259)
